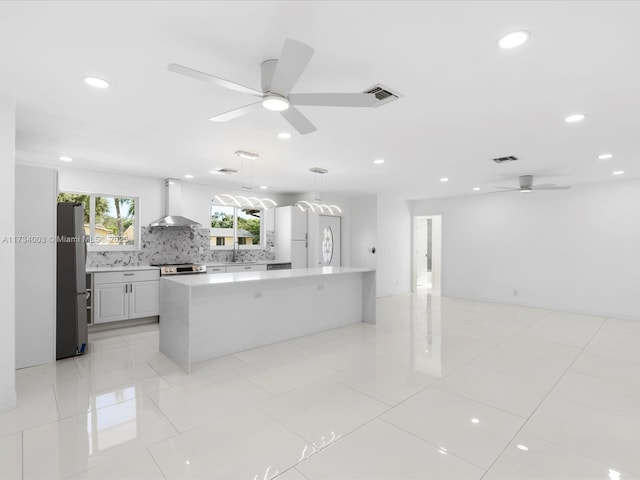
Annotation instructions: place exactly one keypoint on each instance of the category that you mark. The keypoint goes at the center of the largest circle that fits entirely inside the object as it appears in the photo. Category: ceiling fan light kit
(278, 77)
(275, 103)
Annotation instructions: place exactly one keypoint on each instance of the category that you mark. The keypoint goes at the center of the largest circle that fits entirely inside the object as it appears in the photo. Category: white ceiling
(465, 99)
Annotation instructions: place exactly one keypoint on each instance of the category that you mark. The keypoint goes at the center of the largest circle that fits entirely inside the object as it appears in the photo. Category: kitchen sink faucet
(236, 251)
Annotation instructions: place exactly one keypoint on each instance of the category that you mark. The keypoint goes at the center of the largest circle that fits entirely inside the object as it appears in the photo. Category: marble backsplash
(174, 246)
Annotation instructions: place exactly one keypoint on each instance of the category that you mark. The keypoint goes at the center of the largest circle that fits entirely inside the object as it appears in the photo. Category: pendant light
(316, 206)
(242, 201)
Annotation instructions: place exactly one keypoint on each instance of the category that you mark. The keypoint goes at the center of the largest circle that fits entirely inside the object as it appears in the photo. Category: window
(234, 224)
(110, 222)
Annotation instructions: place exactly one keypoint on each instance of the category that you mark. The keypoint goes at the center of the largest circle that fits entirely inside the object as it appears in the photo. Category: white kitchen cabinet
(291, 236)
(247, 268)
(125, 295)
(111, 302)
(144, 299)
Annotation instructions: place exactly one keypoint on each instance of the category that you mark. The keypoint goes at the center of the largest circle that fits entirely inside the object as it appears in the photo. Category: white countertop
(237, 277)
(121, 268)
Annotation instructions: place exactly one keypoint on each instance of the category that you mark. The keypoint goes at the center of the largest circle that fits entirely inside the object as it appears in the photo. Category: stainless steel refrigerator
(71, 297)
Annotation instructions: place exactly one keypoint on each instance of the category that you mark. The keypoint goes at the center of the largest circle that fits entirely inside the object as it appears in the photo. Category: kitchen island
(208, 316)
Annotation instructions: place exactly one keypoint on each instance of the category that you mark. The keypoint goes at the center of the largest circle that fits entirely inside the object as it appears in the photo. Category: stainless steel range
(182, 269)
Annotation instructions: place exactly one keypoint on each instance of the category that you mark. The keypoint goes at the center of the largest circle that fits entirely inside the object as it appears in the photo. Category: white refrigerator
(291, 236)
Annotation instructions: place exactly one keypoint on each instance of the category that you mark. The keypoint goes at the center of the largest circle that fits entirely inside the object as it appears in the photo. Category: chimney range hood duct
(173, 197)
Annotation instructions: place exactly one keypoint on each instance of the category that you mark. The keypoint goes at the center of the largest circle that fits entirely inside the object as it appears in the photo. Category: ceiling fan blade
(334, 99)
(298, 120)
(507, 188)
(544, 185)
(221, 82)
(236, 112)
(293, 60)
(555, 187)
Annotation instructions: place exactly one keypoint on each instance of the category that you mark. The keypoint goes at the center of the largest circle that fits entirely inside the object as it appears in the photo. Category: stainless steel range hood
(173, 199)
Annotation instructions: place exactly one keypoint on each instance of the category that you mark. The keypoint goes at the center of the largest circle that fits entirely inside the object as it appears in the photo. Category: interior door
(421, 247)
(330, 239)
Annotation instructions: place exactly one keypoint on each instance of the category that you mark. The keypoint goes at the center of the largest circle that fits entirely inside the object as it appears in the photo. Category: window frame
(258, 246)
(103, 247)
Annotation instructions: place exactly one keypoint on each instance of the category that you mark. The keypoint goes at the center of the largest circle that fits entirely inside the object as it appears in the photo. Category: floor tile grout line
(55, 396)
(154, 458)
(431, 444)
(435, 385)
(543, 400)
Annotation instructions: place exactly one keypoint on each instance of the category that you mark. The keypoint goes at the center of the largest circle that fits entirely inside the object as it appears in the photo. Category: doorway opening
(427, 253)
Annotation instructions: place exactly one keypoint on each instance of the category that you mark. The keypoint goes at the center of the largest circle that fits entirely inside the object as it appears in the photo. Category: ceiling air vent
(383, 94)
(510, 158)
(227, 171)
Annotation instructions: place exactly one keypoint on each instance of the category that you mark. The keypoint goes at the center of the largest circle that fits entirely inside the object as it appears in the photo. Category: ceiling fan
(278, 77)
(526, 186)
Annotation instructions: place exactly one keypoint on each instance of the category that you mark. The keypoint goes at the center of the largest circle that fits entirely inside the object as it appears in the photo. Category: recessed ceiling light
(96, 82)
(514, 39)
(475, 189)
(576, 117)
(524, 448)
(605, 156)
(284, 135)
(66, 159)
(379, 161)
(617, 172)
(475, 420)
(188, 176)
(275, 103)
(444, 179)
(263, 187)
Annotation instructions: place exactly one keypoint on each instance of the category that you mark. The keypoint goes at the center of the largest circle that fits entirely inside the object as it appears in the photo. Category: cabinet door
(144, 299)
(110, 303)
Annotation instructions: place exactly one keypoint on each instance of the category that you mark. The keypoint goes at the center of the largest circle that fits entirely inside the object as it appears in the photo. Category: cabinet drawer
(246, 268)
(216, 269)
(100, 278)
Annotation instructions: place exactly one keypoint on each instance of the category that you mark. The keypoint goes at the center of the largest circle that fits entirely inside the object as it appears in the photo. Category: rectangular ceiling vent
(383, 94)
(510, 158)
(227, 171)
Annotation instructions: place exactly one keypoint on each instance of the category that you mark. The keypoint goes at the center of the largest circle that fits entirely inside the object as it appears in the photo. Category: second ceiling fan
(278, 78)
(526, 186)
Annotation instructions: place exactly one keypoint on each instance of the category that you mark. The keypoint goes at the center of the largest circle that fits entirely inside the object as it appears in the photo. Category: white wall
(574, 250)
(364, 231)
(393, 250)
(7, 256)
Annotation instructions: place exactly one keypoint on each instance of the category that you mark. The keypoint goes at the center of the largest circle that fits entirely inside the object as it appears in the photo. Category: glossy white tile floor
(439, 388)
